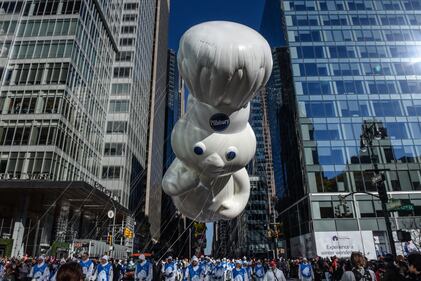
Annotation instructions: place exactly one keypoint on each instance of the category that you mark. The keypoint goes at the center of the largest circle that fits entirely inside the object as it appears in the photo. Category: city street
(146, 140)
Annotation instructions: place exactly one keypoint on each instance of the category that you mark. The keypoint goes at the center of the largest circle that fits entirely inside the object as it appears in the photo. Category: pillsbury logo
(219, 122)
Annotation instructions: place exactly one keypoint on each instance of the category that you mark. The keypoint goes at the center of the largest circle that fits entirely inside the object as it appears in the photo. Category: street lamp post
(114, 214)
(371, 132)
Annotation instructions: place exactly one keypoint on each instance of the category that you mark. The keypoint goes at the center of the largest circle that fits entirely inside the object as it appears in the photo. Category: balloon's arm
(238, 201)
(179, 179)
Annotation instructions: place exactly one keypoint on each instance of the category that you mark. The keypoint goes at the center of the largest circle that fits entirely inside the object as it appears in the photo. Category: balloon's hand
(179, 179)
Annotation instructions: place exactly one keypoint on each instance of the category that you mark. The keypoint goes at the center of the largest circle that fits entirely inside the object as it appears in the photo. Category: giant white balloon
(223, 64)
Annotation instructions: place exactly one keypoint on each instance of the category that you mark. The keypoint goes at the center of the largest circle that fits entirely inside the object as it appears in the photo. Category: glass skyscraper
(347, 62)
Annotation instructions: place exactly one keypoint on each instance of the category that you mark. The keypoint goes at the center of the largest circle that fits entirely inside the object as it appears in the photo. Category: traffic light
(347, 210)
(110, 239)
(128, 233)
(338, 211)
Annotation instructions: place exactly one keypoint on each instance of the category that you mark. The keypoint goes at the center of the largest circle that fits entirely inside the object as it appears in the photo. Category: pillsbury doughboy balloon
(223, 64)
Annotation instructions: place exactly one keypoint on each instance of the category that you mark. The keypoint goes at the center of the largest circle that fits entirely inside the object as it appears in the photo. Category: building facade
(347, 62)
(156, 127)
(56, 65)
(172, 222)
(125, 147)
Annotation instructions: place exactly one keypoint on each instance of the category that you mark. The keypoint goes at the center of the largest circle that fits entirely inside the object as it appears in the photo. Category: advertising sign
(343, 243)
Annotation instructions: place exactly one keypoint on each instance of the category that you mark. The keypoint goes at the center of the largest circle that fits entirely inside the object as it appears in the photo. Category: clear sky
(186, 13)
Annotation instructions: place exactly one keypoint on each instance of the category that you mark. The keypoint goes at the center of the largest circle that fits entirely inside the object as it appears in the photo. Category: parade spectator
(359, 271)
(414, 262)
(117, 270)
(391, 271)
(54, 273)
(71, 271)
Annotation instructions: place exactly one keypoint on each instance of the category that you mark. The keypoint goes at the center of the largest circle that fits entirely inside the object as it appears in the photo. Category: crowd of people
(355, 268)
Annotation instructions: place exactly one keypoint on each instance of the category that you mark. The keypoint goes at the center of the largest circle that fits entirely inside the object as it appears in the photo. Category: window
(119, 106)
(120, 89)
(111, 172)
(396, 130)
(131, 6)
(410, 87)
(330, 156)
(124, 56)
(393, 20)
(342, 52)
(11, 7)
(324, 132)
(364, 20)
(127, 42)
(117, 127)
(308, 36)
(326, 210)
(313, 69)
(310, 52)
(122, 72)
(354, 108)
(387, 108)
(320, 109)
(316, 88)
(132, 17)
(128, 29)
(335, 20)
(305, 20)
(366, 209)
(382, 87)
(114, 149)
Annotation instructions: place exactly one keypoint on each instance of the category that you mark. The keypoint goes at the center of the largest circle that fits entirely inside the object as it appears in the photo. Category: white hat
(238, 262)
(170, 258)
(194, 258)
(105, 257)
(63, 261)
(42, 257)
(142, 257)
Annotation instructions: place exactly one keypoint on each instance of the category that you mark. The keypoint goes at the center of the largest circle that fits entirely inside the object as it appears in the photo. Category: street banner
(343, 243)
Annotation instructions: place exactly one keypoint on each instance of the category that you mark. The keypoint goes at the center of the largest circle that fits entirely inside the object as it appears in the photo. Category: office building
(347, 62)
(126, 140)
(172, 222)
(156, 134)
(56, 64)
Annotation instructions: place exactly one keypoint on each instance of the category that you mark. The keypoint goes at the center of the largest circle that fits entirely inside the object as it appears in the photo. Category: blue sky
(186, 13)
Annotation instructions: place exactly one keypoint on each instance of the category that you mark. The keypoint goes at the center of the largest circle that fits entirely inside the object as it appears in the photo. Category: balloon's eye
(199, 148)
(231, 153)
